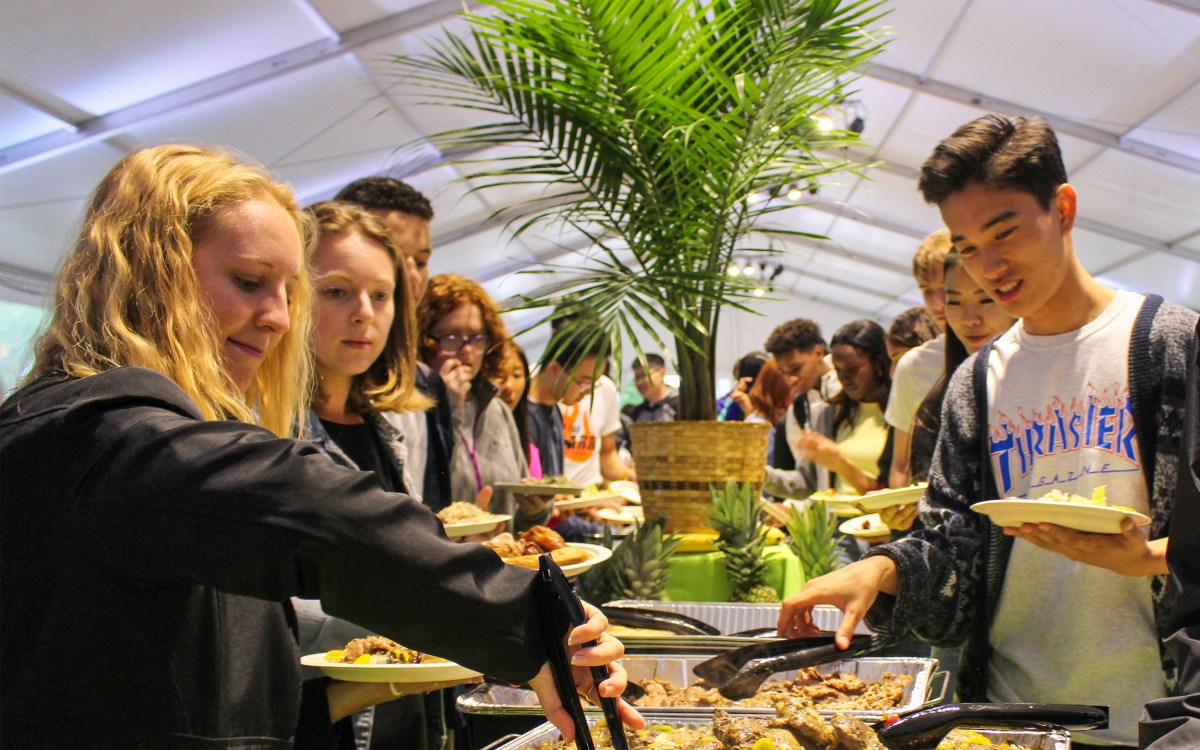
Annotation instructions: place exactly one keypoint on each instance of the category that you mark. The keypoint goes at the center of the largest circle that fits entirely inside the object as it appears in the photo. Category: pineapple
(638, 567)
(811, 536)
(734, 514)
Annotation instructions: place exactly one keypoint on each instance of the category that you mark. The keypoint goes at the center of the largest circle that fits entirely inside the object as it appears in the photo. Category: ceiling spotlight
(733, 269)
(753, 197)
(824, 123)
(759, 291)
(794, 193)
(749, 269)
(857, 124)
(774, 128)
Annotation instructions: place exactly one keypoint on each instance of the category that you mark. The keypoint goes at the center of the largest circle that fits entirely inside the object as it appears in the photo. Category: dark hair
(387, 194)
(749, 366)
(868, 338)
(571, 345)
(521, 412)
(654, 360)
(1011, 153)
(912, 328)
(800, 334)
(929, 413)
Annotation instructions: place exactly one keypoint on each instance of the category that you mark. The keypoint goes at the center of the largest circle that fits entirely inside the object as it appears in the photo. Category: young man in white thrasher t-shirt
(1047, 614)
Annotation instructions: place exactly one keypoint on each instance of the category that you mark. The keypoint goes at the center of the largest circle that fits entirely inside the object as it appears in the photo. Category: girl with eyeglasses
(460, 336)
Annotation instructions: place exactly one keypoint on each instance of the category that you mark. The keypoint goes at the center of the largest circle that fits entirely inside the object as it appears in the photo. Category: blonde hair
(128, 296)
(931, 254)
(389, 384)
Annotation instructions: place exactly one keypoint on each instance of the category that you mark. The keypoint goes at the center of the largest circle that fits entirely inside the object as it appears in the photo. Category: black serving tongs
(923, 729)
(561, 611)
(738, 673)
(656, 620)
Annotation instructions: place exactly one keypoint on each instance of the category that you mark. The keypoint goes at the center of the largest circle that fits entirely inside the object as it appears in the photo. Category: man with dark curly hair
(406, 211)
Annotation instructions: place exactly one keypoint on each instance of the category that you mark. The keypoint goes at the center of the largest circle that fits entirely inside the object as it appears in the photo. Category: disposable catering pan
(727, 617)
(492, 700)
(1036, 740)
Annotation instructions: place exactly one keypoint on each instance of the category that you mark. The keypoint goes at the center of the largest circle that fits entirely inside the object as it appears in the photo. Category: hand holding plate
(1128, 553)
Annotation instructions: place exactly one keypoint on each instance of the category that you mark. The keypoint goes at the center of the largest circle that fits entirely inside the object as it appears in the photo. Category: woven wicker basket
(677, 461)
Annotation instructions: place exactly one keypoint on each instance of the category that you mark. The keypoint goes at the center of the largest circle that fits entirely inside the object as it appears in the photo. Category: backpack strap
(1145, 386)
(979, 387)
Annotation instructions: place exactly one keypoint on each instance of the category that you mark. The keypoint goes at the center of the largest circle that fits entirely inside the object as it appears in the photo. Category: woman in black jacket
(157, 520)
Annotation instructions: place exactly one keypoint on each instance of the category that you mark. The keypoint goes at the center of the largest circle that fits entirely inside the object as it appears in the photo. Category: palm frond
(653, 120)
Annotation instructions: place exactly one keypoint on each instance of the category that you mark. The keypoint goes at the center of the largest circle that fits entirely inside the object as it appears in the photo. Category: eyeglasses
(452, 343)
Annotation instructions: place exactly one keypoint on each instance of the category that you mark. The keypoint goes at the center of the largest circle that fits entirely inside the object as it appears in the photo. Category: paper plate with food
(865, 527)
(463, 519)
(591, 497)
(377, 659)
(1091, 514)
(524, 550)
(872, 502)
(837, 504)
(541, 486)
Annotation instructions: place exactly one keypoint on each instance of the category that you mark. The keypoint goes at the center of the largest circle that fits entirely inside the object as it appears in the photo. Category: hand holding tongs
(738, 673)
(561, 611)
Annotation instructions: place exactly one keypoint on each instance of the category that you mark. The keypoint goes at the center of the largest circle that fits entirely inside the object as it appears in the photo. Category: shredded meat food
(837, 691)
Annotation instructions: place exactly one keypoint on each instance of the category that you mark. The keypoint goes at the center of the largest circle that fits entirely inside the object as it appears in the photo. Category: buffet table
(700, 576)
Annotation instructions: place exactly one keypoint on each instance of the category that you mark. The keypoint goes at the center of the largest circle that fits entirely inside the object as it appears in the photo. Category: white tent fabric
(305, 87)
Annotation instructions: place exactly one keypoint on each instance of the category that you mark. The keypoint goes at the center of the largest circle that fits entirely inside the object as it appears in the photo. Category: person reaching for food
(158, 517)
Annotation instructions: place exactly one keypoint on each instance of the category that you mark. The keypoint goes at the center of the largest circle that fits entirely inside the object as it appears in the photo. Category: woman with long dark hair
(848, 439)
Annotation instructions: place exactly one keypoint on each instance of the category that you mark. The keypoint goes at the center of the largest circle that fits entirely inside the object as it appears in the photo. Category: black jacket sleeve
(129, 477)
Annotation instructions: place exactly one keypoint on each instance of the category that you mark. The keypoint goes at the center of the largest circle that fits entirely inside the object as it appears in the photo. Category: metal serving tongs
(738, 673)
(560, 611)
(923, 729)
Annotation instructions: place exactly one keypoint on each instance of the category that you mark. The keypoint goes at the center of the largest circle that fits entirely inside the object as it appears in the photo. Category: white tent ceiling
(305, 87)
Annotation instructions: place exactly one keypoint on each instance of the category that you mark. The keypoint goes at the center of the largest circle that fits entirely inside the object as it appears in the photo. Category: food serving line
(670, 644)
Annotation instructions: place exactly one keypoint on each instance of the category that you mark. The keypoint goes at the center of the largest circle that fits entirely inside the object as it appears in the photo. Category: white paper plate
(438, 671)
(590, 501)
(598, 555)
(839, 505)
(873, 502)
(628, 489)
(539, 489)
(865, 527)
(1096, 519)
(466, 528)
(625, 514)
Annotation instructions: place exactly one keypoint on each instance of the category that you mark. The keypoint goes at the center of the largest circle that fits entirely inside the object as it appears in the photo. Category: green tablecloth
(700, 576)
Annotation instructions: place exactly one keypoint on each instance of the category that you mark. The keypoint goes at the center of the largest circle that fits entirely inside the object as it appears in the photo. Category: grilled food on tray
(375, 649)
(969, 739)
(524, 550)
(796, 726)
(837, 691)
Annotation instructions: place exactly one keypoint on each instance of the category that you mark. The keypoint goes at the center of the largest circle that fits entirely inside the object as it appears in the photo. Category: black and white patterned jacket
(952, 572)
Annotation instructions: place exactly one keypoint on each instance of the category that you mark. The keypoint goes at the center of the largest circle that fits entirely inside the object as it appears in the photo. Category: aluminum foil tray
(502, 699)
(1041, 740)
(730, 617)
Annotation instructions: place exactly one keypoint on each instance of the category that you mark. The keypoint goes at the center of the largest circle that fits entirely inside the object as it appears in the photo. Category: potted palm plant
(654, 125)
